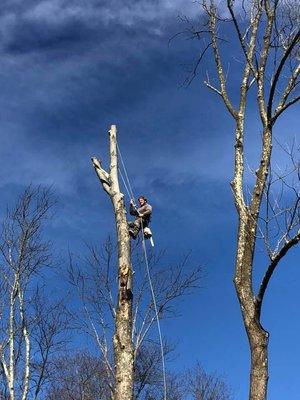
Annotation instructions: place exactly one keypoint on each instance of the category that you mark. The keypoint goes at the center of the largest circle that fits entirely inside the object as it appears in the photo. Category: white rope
(156, 315)
(131, 196)
(124, 183)
(126, 175)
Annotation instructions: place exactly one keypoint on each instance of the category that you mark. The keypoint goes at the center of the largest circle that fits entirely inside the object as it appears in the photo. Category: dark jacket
(145, 211)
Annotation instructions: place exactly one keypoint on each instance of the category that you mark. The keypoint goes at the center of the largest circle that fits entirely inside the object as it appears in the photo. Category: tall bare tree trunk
(259, 361)
(122, 341)
(257, 336)
(250, 305)
(272, 72)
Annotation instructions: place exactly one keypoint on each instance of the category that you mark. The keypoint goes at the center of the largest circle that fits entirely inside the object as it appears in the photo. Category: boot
(147, 233)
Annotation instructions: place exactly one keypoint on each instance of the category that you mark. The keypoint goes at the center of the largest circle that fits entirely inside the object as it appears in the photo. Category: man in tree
(142, 214)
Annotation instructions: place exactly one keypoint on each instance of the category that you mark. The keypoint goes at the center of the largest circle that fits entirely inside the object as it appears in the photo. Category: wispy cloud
(49, 23)
(125, 12)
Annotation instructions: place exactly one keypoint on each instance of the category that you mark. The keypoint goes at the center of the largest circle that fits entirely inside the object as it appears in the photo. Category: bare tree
(123, 346)
(50, 333)
(94, 278)
(266, 34)
(24, 253)
(82, 377)
(204, 386)
(193, 383)
(78, 377)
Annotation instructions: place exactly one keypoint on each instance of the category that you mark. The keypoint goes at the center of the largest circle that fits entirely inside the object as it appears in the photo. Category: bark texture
(256, 33)
(122, 340)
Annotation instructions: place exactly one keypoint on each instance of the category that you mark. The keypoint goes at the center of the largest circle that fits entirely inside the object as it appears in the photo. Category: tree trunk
(258, 53)
(257, 336)
(258, 339)
(122, 340)
(123, 346)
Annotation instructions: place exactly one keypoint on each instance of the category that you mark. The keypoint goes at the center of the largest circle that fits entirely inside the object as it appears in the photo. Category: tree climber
(143, 216)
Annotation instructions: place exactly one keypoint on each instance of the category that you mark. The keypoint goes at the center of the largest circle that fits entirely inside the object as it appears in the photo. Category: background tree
(204, 386)
(266, 36)
(31, 328)
(95, 282)
(78, 376)
(82, 377)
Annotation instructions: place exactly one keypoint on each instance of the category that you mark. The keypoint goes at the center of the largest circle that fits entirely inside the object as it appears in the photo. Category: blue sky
(69, 69)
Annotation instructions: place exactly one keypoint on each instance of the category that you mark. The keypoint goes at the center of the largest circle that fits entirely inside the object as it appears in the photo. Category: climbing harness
(146, 234)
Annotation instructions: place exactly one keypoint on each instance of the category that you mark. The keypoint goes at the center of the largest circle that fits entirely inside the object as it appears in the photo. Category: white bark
(27, 347)
(11, 341)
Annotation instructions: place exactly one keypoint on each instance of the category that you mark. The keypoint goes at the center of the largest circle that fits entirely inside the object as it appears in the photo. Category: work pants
(137, 225)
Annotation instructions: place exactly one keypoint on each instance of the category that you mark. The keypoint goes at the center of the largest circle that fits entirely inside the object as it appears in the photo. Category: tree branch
(266, 279)
(241, 37)
(217, 57)
(102, 175)
(282, 106)
(263, 61)
(278, 72)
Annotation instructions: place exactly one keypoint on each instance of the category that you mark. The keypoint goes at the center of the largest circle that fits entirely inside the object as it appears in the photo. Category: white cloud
(125, 13)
